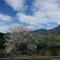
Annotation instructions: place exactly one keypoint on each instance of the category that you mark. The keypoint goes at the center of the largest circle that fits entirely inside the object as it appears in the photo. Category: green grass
(55, 38)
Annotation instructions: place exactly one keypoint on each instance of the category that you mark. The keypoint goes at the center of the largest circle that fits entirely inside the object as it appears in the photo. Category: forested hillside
(50, 35)
(26, 42)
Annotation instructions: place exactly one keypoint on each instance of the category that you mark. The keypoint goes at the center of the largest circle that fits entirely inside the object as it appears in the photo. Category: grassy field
(52, 38)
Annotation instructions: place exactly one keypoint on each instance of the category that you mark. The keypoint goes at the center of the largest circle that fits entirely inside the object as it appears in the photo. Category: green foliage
(2, 41)
(53, 38)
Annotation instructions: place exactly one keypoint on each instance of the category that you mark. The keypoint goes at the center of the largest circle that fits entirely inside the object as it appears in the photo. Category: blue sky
(32, 14)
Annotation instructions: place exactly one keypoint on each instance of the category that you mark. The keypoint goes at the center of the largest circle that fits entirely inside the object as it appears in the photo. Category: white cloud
(4, 28)
(5, 17)
(7, 28)
(18, 5)
(32, 20)
(27, 19)
(44, 11)
(15, 4)
(48, 9)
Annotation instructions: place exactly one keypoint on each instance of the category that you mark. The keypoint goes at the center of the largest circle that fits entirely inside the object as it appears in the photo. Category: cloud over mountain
(36, 12)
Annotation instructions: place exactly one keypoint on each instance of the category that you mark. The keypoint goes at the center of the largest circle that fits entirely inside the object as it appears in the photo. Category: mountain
(55, 30)
(40, 31)
(1, 34)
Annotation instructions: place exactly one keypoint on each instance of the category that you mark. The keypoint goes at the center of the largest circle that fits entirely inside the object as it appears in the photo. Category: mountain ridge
(55, 30)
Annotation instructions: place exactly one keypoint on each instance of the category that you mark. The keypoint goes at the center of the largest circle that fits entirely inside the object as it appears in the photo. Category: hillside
(47, 35)
(55, 30)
